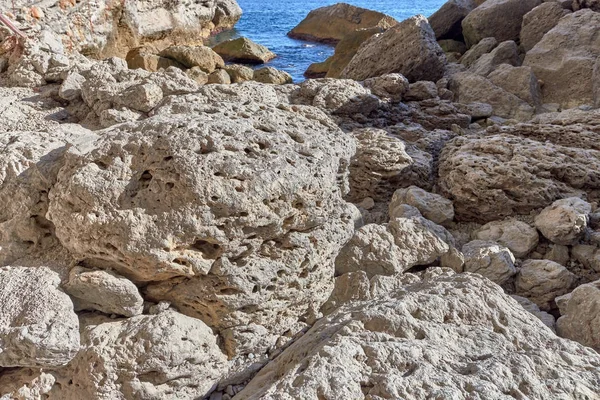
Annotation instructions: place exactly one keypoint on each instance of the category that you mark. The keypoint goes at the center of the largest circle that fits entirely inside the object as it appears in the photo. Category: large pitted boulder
(148, 356)
(408, 48)
(38, 327)
(393, 248)
(489, 259)
(433, 206)
(565, 221)
(234, 213)
(243, 50)
(537, 22)
(446, 22)
(518, 169)
(564, 60)
(332, 23)
(500, 19)
(580, 315)
(470, 88)
(194, 56)
(519, 237)
(542, 281)
(425, 340)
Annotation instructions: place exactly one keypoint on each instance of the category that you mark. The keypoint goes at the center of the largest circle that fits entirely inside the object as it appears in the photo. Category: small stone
(432, 206)
(541, 281)
(489, 259)
(518, 236)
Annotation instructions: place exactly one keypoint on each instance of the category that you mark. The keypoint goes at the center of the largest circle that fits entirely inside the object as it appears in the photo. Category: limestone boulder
(243, 50)
(233, 215)
(518, 169)
(484, 46)
(166, 355)
(331, 24)
(469, 88)
(219, 77)
(338, 96)
(227, 14)
(197, 75)
(391, 86)
(38, 327)
(489, 259)
(393, 248)
(271, 75)
(579, 315)
(564, 60)
(581, 4)
(148, 59)
(520, 81)
(446, 22)
(541, 281)
(537, 22)
(239, 73)
(25, 383)
(421, 90)
(104, 291)
(530, 306)
(432, 206)
(194, 56)
(412, 345)
(408, 48)
(505, 53)
(519, 237)
(500, 19)
(588, 256)
(565, 221)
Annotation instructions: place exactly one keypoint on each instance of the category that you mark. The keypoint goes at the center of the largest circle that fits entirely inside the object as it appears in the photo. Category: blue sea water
(268, 21)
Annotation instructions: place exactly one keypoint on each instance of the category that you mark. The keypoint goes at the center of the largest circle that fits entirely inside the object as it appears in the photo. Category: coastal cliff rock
(408, 48)
(332, 23)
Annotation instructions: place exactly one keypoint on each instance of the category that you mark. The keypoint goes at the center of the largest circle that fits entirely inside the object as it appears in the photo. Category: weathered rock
(453, 46)
(25, 384)
(527, 167)
(393, 248)
(243, 50)
(408, 48)
(421, 90)
(476, 51)
(476, 110)
(520, 81)
(588, 256)
(70, 89)
(532, 308)
(433, 206)
(332, 23)
(519, 237)
(272, 75)
(505, 53)
(402, 348)
(564, 60)
(227, 14)
(239, 73)
(580, 313)
(197, 75)
(142, 97)
(446, 22)
(489, 259)
(220, 77)
(146, 58)
(194, 212)
(194, 56)
(537, 22)
(565, 221)
(581, 4)
(500, 19)
(104, 291)
(38, 327)
(339, 96)
(391, 86)
(541, 281)
(559, 254)
(469, 88)
(162, 356)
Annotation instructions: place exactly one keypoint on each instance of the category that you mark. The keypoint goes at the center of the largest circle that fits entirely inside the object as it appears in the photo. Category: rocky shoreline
(421, 222)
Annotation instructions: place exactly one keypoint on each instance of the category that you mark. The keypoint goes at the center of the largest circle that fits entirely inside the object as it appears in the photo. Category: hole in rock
(208, 250)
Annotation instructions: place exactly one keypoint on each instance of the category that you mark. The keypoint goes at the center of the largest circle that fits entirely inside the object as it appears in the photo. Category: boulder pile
(422, 221)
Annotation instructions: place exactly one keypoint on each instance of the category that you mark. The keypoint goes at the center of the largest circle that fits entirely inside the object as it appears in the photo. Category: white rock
(433, 206)
(541, 281)
(565, 221)
(489, 259)
(518, 236)
(38, 327)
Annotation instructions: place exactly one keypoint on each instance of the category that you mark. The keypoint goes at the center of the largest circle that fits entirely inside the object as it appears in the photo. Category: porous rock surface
(390, 348)
(579, 315)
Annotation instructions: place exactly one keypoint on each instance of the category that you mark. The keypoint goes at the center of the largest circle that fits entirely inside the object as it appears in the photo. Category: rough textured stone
(391, 86)
(232, 213)
(489, 259)
(338, 96)
(433, 206)
(194, 56)
(272, 75)
(541, 281)
(580, 316)
(38, 327)
(520, 81)
(393, 248)
(163, 356)
(408, 48)
(220, 77)
(25, 384)
(500, 19)
(519, 237)
(332, 23)
(146, 58)
(565, 221)
(537, 22)
(104, 291)
(564, 60)
(505, 53)
(243, 50)
(588, 256)
(581, 4)
(475, 52)
(402, 348)
(421, 90)
(239, 73)
(446, 22)
(531, 307)
(197, 75)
